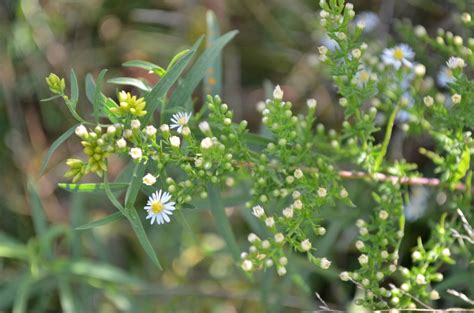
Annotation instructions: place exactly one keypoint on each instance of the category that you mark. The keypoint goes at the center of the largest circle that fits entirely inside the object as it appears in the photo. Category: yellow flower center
(157, 207)
(364, 76)
(182, 121)
(398, 54)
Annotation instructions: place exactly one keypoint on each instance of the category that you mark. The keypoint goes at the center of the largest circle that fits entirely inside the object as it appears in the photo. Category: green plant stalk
(386, 140)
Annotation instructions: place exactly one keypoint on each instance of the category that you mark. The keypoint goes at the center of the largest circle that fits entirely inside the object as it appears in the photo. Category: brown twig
(420, 181)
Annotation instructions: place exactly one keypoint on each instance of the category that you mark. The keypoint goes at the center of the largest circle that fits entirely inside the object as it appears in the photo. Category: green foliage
(296, 172)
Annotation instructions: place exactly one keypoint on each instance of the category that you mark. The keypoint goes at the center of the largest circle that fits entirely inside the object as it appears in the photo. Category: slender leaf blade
(66, 296)
(197, 72)
(58, 142)
(98, 94)
(74, 90)
(91, 187)
(155, 97)
(213, 73)
(23, 292)
(128, 81)
(222, 222)
(102, 221)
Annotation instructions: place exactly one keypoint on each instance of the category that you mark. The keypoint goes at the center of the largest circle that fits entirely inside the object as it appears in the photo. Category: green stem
(386, 140)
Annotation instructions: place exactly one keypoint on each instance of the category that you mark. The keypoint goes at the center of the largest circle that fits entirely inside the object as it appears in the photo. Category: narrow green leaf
(141, 64)
(21, 299)
(12, 250)
(55, 146)
(66, 296)
(89, 187)
(128, 81)
(175, 59)
(222, 222)
(155, 97)
(102, 221)
(135, 184)
(213, 73)
(131, 214)
(101, 271)
(51, 98)
(37, 212)
(9, 291)
(137, 226)
(74, 90)
(197, 72)
(98, 95)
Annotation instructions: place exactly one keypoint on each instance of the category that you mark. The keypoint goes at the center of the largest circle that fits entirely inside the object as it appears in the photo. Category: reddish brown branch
(420, 181)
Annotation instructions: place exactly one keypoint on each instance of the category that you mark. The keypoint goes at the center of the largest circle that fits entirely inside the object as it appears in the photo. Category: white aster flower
(247, 265)
(175, 141)
(149, 179)
(136, 153)
(150, 130)
(277, 93)
(325, 263)
(369, 19)
(180, 120)
(445, 76)
(363, 259)
(159, 207)
(306, 245)
(288, 212)
(135, 124)
(165, 128)
(204, 127)
(455, 62)
(279, 237)
(311, 103)
(269, 222)
(81, 131)
(206, 143)
(398, 56)
(121, 143)
(281, 271)
(258, 211)
(111, 130)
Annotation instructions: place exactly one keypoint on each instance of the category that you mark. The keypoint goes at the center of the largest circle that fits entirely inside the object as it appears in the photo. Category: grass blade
(23, 292)
(65, 296)
(128, 81)
(102, 221)
(98, 95)
(197, 72)
(213, 73)
(58, 142)
(89, 187)
(37, 212)
(222, 222)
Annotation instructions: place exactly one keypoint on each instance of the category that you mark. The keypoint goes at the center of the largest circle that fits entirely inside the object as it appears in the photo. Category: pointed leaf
(74, 90)
(213, 73)
(222, 221)
(90, 187)
(128, 81)
(55, 146)
(155, 97)
(197, 72)
(102, 221)
(98, 95)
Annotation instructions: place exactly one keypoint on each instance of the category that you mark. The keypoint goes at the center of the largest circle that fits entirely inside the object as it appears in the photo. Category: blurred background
(277, 43)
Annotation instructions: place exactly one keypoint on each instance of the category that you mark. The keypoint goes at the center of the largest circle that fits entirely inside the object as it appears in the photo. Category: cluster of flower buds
(129, 105)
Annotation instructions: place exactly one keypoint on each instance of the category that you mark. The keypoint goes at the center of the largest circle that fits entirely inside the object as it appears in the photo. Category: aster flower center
(157, 207)
(398, 54)
(364, 76)
(182, 121)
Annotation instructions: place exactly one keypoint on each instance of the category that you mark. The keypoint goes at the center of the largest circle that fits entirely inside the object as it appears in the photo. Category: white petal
(167, 219)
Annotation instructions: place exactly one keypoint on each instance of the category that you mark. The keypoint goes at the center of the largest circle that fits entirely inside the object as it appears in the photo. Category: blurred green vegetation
(105, 269)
